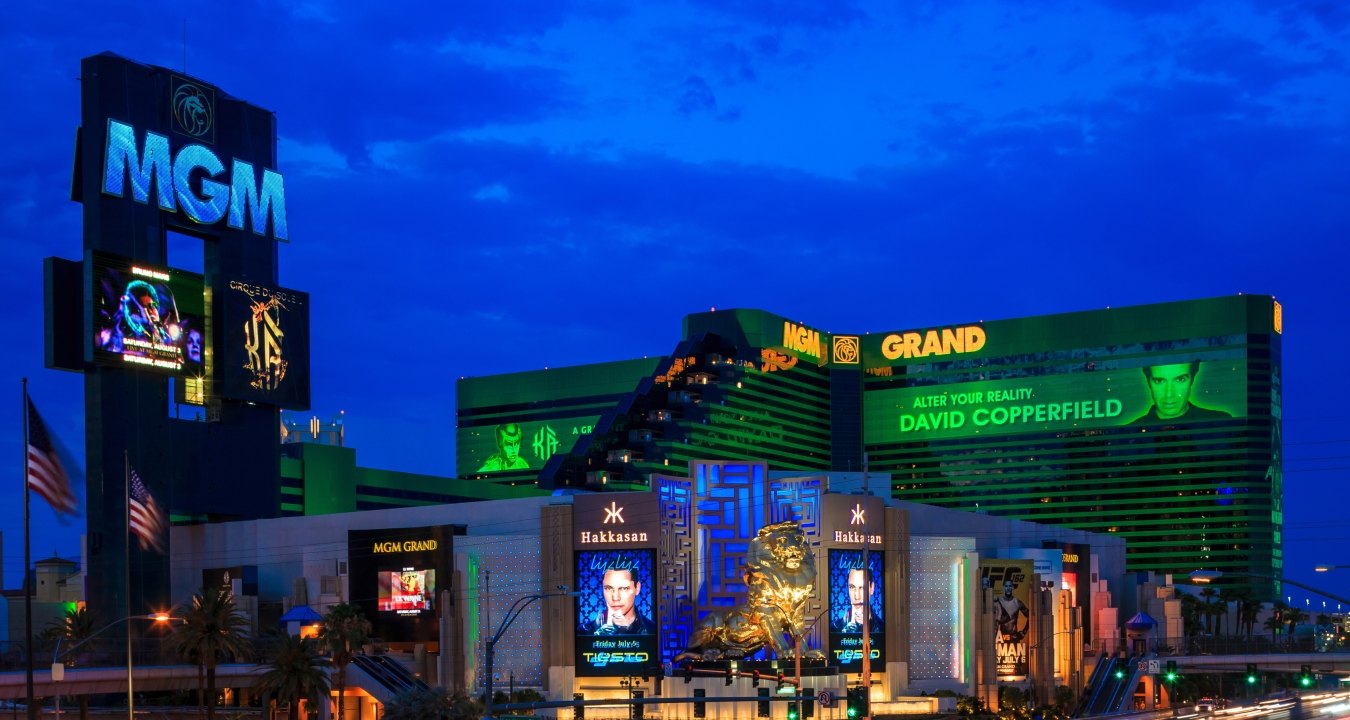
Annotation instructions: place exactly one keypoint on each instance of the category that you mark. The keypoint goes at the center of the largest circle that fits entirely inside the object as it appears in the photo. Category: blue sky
(525, 184)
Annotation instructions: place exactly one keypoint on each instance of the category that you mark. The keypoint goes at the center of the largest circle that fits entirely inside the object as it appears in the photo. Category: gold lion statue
(780, 572)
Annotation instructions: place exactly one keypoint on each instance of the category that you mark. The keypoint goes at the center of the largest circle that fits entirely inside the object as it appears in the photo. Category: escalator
(382, 677)
(1109, 694)
(1095, 684)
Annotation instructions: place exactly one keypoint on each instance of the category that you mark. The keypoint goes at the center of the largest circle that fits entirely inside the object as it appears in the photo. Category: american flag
(46, 476)
(146, 518)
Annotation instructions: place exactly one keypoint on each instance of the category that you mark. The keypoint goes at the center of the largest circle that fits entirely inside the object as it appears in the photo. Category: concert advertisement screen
(616, 628)
(407, 592)
(857, 595)
(147, 316)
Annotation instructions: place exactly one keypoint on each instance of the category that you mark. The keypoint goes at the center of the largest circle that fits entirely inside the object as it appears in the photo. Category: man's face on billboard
(1170, 386)
(620, 592)
(149, 306)
(510, 441)
(194, 346)
(1007, 588)
(858, 589)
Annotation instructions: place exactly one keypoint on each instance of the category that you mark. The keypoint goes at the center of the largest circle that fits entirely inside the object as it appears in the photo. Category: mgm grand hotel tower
(1158, 423)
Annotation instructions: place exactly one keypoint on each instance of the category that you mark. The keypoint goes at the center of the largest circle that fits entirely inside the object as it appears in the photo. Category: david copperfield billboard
(615, 539)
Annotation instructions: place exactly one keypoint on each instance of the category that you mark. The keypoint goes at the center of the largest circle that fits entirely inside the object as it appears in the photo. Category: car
(1206, 704)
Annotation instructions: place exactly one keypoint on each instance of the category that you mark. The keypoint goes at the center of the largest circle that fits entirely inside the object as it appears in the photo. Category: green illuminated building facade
(1159, 423)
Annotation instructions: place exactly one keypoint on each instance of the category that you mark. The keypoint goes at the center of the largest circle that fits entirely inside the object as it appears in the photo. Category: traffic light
(1119, 672)
(1253, 676)
(729, 672)
(792, 712)
(809, 704)
(1171, 673)
(688, 673)
(763, 709)
(579, 710)
(700, 707)
(1305, 676)
(755, 681)
(857, 702)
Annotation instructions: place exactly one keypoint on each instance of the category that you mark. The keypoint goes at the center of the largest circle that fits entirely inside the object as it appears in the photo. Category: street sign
(1142, 665)
(1154, 667)
(825, 698)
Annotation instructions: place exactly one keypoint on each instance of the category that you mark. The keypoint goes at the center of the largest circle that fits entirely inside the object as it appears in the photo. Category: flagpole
(27, 561)
(126, 538)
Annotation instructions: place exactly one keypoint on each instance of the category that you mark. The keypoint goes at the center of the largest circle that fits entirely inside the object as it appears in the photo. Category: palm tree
(1208, 611)
(1274, 624)
(296, 672)
(343, 629)
(1294, 616)
(213, 629)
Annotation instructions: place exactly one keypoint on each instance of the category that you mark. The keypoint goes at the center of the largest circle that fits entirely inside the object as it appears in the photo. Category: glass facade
(1159, 423)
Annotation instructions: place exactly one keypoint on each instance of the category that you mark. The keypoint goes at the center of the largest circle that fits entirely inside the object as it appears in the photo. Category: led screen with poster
(857, 598)
(616, 627)
(146, 316)
(264, 353)
(1010, 581)
(395, 576)
(407, 591)
(517, 446)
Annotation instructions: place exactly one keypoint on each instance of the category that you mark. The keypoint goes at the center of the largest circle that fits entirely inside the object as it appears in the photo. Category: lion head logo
(193, 109)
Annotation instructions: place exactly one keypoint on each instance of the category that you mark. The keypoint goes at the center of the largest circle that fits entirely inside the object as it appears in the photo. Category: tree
(213, 629)
(1190, 614)
(418, 703)
(344, 628)
(1208, 594)
(296, 672)
(1294, 616)
(1274, 624)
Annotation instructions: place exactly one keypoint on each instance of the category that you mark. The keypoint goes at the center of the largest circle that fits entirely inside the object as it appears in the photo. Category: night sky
(476, 188)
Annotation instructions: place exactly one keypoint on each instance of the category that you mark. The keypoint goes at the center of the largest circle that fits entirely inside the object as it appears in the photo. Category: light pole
(1204, 577)
(516, 608)
(57, 655)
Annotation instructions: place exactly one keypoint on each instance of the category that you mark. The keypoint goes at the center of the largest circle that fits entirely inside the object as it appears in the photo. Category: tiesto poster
(616, 629)
(857, 595)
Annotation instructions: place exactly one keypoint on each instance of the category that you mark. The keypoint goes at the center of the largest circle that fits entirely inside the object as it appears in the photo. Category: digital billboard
(517, 446)
(1168, 390)
(147, 316)
(857, 595)
(616, 627)
(264, 356)
(407, 591)
(1010, 581)
(395, 574)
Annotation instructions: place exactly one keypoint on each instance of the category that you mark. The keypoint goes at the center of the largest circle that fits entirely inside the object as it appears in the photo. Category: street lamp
(1204, 577)
(516, 608)
(159, 618)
